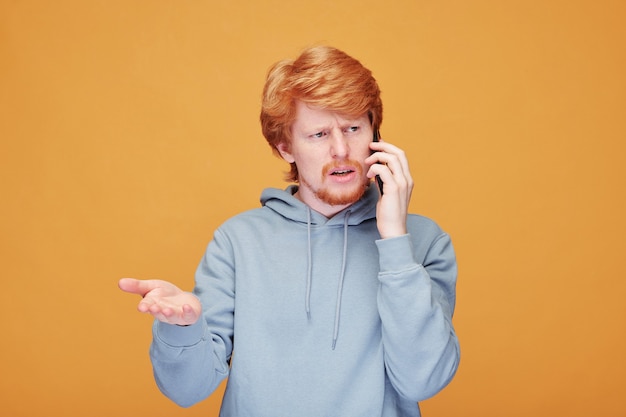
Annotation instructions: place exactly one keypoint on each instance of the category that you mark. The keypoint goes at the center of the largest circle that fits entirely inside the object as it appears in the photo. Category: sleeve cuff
(179, 336)
(395, 254)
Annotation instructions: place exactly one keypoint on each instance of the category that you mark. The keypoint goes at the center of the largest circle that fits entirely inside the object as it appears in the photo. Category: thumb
(136, 286)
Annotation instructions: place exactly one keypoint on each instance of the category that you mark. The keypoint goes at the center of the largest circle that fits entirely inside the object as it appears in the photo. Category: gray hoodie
(310, 316)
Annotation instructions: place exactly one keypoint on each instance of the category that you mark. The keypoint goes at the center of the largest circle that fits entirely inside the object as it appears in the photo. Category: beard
(344, 197)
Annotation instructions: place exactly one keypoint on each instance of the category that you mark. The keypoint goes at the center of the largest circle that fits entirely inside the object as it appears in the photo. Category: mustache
(347, 163)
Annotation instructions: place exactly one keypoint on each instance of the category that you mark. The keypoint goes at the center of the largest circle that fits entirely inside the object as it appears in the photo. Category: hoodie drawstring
(341, 277)
(307, 301)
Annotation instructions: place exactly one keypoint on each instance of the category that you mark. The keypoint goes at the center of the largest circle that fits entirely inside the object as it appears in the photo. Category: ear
(284, 150)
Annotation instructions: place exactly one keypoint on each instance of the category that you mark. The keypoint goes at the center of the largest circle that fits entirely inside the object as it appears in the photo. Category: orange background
(129, 131)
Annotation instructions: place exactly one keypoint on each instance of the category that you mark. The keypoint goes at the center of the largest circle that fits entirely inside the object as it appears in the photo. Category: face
(329, 150)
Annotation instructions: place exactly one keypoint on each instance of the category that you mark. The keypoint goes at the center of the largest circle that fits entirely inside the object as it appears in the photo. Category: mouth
(342, 172)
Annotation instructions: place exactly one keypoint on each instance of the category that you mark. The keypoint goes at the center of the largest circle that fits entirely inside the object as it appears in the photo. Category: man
(329, 300)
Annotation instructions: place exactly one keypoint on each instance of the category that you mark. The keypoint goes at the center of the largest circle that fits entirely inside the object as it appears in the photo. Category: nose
(339, 147)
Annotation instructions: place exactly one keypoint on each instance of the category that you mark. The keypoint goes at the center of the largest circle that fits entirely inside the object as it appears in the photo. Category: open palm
(163, 300)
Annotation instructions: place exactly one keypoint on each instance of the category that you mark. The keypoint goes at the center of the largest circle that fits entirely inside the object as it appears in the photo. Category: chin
(341, 198)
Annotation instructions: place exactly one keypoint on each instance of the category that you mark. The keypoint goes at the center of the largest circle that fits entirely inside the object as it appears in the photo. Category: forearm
(421, 347)
(186, 362)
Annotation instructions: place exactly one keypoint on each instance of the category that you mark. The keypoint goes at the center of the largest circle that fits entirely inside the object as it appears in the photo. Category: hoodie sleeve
(416, 302)
(189, 362)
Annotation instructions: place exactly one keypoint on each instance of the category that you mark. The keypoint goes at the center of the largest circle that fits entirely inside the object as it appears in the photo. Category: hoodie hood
(284, 203)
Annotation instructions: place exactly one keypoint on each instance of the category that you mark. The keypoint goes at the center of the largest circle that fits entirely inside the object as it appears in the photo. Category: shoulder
(428, 238)
(422, 225)
(248, 218)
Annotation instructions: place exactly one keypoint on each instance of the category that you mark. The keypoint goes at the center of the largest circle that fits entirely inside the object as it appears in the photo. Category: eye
(352, 129)
(318, 135)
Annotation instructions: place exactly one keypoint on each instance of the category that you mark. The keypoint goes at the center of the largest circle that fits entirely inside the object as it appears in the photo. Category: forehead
(309, 116)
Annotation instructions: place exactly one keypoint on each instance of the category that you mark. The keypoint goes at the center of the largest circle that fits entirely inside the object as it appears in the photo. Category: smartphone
(378, 180)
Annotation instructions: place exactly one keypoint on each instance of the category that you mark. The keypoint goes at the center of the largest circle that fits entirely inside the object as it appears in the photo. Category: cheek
(364, 150)
(307, 163)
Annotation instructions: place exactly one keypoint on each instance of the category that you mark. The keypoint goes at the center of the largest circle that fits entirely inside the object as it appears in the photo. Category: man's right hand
(163, 300)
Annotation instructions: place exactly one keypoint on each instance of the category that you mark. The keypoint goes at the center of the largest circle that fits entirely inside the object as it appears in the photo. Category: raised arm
(418, 278)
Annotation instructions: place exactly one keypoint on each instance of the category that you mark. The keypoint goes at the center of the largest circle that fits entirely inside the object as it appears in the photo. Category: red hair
(323, 77)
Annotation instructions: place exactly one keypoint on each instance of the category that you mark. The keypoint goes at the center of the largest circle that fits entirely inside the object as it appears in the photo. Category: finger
(189, 314)
(390, 171)
(184, 316)
(161, 313)
(156, 309)
(128, 285)
(394, 158)
(145, 306)
(395, 164)
(388, 159)
(160, 317)
(136, 286)
(383, 146)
